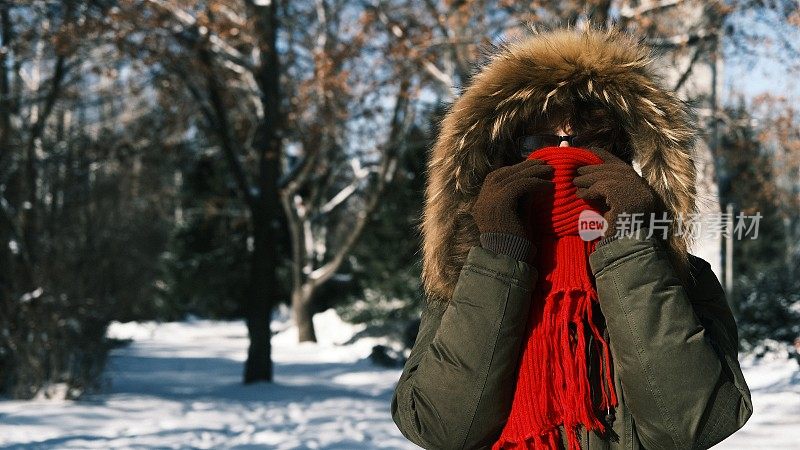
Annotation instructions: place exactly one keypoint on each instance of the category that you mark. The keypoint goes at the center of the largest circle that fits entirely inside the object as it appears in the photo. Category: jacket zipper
(604, 369)
(585, 433)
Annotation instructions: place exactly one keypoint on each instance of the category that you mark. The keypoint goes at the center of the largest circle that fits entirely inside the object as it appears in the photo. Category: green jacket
(674, 352)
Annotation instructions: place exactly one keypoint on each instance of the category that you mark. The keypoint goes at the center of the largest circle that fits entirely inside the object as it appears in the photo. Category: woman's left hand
(623, 190)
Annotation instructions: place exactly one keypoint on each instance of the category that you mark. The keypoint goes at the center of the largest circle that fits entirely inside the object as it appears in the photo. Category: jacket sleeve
(675, 351)
(457, 385)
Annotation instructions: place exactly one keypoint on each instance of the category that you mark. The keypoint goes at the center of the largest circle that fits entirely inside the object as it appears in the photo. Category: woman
(657, 366)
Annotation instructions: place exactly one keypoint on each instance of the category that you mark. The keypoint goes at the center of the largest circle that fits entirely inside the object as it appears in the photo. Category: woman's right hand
(495, 210)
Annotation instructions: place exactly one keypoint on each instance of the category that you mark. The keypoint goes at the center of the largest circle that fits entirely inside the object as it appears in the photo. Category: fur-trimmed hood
(522, 79)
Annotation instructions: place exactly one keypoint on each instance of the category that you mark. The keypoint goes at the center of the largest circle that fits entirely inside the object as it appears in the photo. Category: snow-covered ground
(178, 386)
(774, 383)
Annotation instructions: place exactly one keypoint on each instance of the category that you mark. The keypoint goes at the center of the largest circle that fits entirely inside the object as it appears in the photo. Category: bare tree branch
(50, 100)
(698, 51)
(223, 129)
(629, 12)
(218, 45)
(438, 74)
(681, 40)
(399, 122)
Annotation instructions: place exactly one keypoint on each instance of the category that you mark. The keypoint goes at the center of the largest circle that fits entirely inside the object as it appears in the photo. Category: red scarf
(552, 385)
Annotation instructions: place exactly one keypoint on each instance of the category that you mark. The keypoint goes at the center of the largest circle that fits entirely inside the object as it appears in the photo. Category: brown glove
(496, 209)
(616, 183)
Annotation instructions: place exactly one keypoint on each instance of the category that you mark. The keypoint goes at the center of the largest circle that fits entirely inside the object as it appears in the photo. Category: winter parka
(673, 338)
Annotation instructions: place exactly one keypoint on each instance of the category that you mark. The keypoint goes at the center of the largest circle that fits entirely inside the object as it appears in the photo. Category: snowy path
(178, 386)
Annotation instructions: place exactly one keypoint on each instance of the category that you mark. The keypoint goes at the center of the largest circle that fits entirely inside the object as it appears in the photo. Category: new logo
(591, 225)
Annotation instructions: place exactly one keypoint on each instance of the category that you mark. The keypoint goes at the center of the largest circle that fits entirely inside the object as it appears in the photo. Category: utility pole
(729, 259)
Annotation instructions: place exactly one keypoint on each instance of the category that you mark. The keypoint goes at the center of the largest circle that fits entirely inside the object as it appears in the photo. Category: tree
(281, 120)
(72, 181)
(203, 65)
(314, 193)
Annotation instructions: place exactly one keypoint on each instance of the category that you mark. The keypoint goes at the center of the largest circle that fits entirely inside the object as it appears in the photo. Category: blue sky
(762, 66)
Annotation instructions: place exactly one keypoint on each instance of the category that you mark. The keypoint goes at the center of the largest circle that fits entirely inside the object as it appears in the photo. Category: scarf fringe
(553, 385)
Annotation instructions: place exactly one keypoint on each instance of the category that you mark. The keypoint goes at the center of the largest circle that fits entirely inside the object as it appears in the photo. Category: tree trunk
(265, 204)
(302, 307)
(6, 226)
(260, 293)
